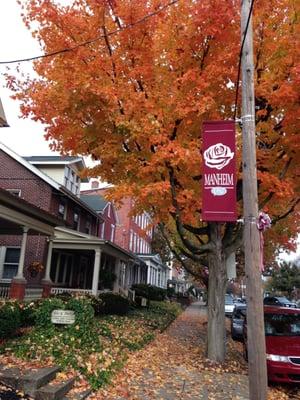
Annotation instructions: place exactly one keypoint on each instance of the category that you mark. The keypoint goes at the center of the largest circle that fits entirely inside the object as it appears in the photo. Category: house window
(62, 210)
(102, 230)
(112, 235)
(15, 192)
(72, 181)
(131, 241)
(88, 225)
(11, 262)
(76, 219)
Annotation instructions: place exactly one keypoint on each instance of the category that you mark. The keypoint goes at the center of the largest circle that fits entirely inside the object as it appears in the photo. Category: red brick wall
(13, 175)
(36, 250)
(125, 222)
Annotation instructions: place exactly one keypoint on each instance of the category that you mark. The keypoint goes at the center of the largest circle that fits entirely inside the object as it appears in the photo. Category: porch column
(18, 283)
(148, 274)
(20, 274)
(96, 271)
(46, 281)
(139, 274)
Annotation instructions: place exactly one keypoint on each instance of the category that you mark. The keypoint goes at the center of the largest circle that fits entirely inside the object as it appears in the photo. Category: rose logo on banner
(218, 156)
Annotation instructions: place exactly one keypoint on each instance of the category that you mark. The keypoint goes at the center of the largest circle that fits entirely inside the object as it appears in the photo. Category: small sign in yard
(63, 317)
(144, 302)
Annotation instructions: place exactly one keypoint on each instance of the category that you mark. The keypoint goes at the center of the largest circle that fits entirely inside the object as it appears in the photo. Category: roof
(95, 202)
(58, 161)
(30, 167)
(3, 122)
(22, 207)
(53, 159)
(65, 237)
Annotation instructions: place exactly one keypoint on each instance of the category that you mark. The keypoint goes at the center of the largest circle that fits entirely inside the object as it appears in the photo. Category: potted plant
(34, 268)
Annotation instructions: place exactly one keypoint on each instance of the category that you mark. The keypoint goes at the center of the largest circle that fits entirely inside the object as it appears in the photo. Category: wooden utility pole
(255, 317)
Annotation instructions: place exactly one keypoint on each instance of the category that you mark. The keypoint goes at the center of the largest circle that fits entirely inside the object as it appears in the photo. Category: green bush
(10, 319)
(110, 303)
(150, 292)
(82, 307)
(28, 312)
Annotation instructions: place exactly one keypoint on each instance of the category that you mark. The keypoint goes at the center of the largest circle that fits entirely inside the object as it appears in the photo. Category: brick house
(74, 256)
(134, 234)
(108, 213)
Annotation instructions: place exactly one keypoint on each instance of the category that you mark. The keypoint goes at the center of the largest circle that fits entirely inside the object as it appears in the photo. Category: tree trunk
(216, 333)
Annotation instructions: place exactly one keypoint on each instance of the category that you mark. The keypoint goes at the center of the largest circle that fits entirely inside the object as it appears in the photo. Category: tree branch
(289, 211)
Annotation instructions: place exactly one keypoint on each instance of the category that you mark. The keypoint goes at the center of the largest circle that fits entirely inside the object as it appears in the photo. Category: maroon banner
(219, 171)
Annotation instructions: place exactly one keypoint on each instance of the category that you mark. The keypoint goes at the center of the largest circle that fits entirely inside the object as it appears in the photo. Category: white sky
(25, 137)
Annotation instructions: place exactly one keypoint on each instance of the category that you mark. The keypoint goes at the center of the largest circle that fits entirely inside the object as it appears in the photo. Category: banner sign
(219, 171)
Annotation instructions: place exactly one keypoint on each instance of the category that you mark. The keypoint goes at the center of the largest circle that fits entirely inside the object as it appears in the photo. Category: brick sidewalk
(171, 367)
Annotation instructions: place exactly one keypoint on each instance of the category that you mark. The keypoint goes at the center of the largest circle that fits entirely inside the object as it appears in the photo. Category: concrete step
(31, 381)
(78, 396)
(10, 376)
(55, 391)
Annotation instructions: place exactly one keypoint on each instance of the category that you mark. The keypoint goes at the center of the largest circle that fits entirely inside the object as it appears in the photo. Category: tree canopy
(136, 98)
(284, 278)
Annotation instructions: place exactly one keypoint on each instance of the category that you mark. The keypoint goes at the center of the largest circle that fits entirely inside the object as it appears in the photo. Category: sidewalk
(173, 367)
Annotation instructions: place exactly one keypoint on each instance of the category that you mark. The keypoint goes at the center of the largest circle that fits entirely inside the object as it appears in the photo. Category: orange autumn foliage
(136, 99)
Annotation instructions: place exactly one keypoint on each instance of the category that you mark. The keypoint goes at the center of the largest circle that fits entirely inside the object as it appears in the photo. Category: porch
(81, 263)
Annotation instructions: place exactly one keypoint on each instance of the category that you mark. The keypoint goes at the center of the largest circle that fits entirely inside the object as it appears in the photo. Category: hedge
(150, 292)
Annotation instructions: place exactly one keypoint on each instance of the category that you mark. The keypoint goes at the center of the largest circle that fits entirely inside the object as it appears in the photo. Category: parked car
(282, 330)
(237, 321)
(279, 301)
(229, 305)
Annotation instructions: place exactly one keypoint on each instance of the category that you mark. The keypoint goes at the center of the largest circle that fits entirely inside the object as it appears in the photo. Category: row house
(134, 233)
(73, 252)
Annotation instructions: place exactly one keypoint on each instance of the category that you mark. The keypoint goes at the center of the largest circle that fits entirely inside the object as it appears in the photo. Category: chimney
(95, 184)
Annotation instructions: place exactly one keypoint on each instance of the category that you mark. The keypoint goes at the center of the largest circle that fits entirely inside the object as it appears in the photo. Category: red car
(282, 330)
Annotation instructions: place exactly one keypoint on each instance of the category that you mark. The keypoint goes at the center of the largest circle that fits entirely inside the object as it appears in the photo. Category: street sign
(219, 171)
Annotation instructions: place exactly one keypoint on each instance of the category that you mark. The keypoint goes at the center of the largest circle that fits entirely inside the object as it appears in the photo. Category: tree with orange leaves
(131, 88)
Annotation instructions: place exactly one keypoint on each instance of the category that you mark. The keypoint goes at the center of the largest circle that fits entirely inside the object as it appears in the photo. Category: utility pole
(255, 317)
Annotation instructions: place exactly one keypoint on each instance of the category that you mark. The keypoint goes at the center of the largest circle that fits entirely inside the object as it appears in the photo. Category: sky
(25, 137)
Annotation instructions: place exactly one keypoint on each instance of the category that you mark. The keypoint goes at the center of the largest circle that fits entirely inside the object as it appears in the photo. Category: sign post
(255, 316)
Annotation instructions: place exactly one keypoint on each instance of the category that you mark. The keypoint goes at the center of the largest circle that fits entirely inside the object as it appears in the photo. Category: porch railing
(60, 290)
(4, 291)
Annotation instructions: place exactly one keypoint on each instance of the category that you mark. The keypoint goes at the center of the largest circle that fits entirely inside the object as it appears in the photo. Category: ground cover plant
(94, 347)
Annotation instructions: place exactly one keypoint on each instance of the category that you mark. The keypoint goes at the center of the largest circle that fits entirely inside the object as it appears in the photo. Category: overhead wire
(87, 42)
(240, 59)
(131, 25)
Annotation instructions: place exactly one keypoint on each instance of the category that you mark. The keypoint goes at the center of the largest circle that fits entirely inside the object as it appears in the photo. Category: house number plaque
(63, 317)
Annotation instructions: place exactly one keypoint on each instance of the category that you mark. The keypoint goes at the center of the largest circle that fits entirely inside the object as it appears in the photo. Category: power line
(240, 60)
(66, 50)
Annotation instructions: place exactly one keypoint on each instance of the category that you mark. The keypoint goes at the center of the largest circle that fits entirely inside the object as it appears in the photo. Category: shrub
(82, 307)
(10, 319)
(110, 303)
(28, 313)
(150, 292)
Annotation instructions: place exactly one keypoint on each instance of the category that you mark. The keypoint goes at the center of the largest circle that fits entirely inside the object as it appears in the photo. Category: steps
(41, 383)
